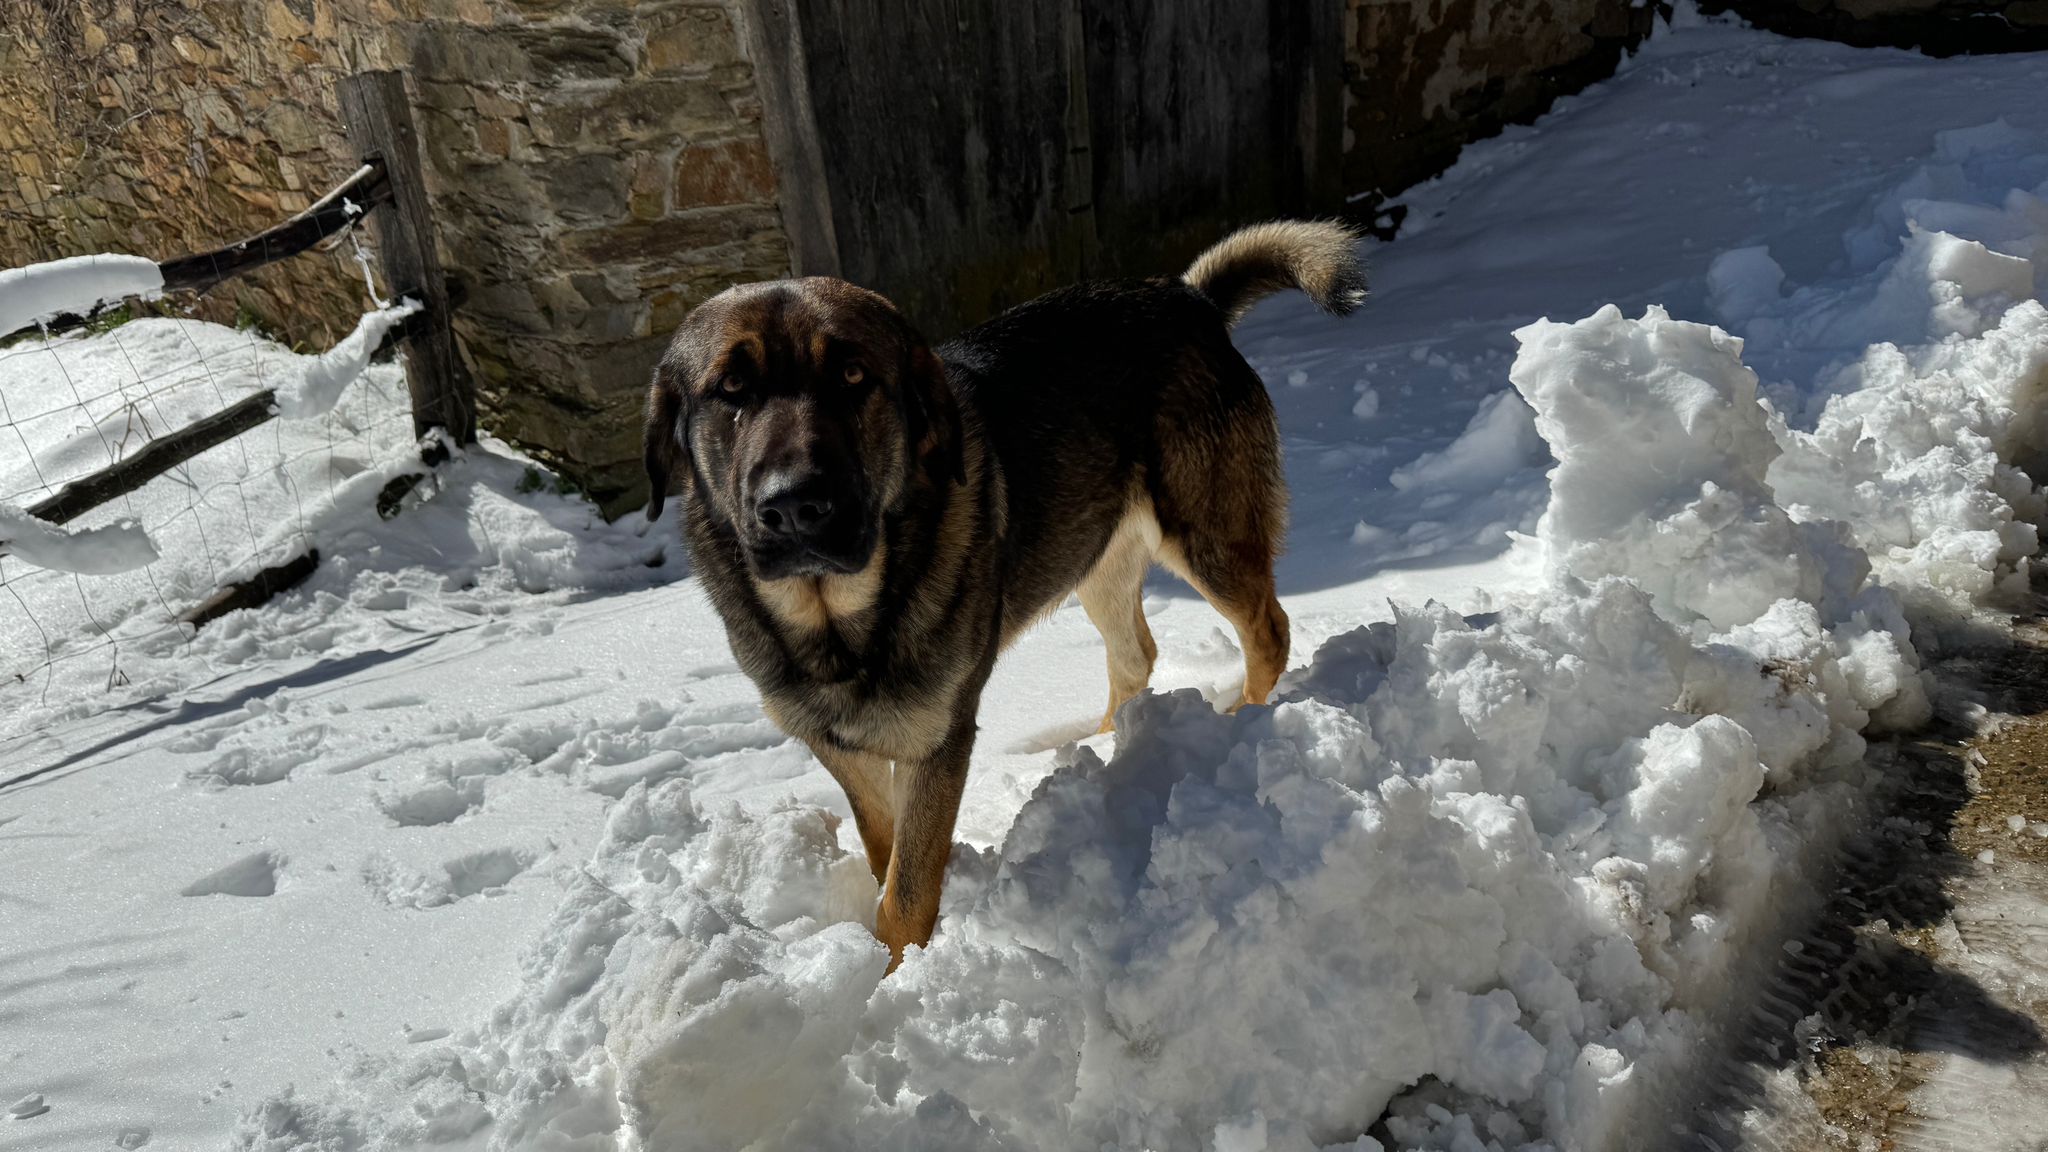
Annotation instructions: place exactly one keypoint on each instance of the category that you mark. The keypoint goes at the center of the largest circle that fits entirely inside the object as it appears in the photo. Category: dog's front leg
(927, 799)
(865, 779)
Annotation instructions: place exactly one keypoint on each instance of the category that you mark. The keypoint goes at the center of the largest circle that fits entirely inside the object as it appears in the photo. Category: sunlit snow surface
(480, 840)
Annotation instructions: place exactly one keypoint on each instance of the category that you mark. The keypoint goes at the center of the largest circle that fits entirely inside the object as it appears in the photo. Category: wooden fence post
(379, 121)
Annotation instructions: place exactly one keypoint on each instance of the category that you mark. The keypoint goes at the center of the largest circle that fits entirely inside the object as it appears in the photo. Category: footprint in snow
(385, 703)
(476, 874)
(264, 765)
(252, 875)
(32, 1104)
(450, 788)
(438, 802)
(484, 871)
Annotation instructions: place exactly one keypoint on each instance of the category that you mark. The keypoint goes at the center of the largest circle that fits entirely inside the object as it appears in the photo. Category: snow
(77, 403)
(1499, 440)
(102, 551)
(480, 839)
(319, 388)
(76, 284)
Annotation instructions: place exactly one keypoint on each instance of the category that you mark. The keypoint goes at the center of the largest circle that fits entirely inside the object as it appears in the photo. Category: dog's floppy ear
(934, 412)
(665, 437)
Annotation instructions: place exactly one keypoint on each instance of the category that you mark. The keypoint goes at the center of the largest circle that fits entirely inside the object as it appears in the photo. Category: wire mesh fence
(72, 404)
(195, 467)
(160, 437)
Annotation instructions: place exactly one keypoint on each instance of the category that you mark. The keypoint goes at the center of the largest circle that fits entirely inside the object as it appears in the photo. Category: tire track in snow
(1908, 1013)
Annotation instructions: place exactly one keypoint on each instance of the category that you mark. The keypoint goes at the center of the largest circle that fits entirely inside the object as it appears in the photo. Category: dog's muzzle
(802, 526)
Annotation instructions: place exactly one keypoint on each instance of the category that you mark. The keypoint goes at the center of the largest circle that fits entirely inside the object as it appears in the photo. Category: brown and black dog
(875, 520)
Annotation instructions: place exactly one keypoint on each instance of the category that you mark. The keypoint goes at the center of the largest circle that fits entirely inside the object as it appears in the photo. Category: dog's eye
(855, 374)
(731, 384)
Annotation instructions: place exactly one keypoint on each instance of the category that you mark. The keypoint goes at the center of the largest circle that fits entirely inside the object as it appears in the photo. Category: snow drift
(1927, 373)
(1467, 884)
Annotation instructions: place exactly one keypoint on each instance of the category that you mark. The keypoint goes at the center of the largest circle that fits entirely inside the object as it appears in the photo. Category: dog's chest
(853, 715)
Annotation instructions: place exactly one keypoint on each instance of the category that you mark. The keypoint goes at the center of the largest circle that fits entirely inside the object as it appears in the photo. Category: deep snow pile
(1931, 405)
(1502, 853)
(1480, 874)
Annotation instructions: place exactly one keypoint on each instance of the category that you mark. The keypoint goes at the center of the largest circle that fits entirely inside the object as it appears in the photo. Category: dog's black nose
(794, 508)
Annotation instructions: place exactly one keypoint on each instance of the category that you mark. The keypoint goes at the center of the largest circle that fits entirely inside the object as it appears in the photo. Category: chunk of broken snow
(76, 284)
(118, 547)
(317, 391)
(1500, 438)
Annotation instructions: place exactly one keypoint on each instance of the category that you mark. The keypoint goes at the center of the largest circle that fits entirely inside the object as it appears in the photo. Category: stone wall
(595, 167)
(153, 127)
(600, 169)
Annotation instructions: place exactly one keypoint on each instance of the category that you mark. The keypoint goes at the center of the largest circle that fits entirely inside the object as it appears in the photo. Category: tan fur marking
(812, 602)
(1320, 257)
(845, 595)
(898, 926)
(795, 601)
(927, 800)
(898, 732)
(870, 790)
(1113, 595)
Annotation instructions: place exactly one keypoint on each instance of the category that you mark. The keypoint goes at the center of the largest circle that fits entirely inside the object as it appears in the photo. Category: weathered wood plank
(155, 458)
(803, 192)
(255, 591)
(378, 116)
(1040, 142)
(201, 271)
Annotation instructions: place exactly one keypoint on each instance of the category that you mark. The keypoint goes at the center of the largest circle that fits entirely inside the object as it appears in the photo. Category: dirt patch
(2008, 808)
(1957, 794)
(1859, 1090)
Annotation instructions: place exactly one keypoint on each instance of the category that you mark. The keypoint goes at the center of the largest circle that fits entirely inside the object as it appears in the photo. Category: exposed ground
(1913, 1015)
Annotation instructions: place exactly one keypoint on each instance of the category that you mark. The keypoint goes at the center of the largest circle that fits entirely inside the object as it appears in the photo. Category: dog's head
(798, 413)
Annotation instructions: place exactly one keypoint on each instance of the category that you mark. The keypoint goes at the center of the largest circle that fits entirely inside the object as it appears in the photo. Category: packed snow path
(481, 841)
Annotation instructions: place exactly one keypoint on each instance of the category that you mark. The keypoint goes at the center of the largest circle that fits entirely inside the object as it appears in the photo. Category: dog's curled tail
(1320, 257)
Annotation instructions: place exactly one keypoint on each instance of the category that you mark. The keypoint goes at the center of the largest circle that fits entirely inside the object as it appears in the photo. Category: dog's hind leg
(1238, 582)
(1226, 551)
(1221, 501)
(1113, 594)
(866, 780)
